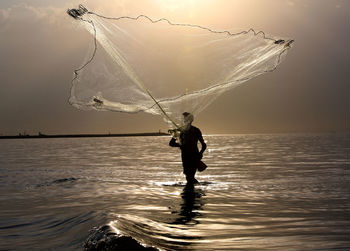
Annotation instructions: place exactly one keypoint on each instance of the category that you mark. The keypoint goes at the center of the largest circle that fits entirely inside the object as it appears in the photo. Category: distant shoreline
(45, 136)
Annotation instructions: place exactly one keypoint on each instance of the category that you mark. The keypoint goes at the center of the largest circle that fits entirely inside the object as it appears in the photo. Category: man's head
(188, 118)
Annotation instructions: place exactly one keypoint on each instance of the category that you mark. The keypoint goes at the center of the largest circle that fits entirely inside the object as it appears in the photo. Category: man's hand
(173, 143)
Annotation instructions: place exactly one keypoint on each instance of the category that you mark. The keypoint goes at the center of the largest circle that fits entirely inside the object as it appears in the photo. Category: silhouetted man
(191, 156)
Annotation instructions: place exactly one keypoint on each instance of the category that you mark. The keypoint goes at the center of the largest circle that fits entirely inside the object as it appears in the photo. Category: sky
(40, 46)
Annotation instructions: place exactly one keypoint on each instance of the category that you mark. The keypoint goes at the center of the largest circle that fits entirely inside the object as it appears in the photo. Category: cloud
(290, 3)
(39, 47)
(25, 14)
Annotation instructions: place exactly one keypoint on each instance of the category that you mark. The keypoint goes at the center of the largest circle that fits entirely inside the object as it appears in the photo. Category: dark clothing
(190, 154)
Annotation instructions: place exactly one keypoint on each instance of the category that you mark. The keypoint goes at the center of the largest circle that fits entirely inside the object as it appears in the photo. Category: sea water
(259, 192)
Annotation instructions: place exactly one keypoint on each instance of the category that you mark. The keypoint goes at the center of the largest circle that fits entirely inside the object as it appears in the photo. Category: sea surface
(259, 192)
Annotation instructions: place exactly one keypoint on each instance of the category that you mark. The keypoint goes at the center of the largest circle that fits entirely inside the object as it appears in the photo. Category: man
(189, 137)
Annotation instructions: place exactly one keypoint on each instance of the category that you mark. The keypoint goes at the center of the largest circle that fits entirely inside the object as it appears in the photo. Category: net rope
(269, 51)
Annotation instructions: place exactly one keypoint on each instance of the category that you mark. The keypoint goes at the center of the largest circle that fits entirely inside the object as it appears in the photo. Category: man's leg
(190, 173)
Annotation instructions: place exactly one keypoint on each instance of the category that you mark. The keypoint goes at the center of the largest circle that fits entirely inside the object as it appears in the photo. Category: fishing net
(160, 67)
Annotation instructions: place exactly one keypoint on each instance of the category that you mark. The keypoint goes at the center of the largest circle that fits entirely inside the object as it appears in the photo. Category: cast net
(165, 68)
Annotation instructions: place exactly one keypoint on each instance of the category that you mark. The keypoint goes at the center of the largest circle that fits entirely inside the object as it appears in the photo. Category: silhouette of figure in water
(190, 155)
(191, 204)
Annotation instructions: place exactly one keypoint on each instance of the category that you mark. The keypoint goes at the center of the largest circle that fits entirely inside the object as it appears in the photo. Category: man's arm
(204, 145)
(173, 143)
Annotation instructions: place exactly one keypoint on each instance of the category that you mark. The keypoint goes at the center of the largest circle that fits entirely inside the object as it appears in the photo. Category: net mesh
(156, 66)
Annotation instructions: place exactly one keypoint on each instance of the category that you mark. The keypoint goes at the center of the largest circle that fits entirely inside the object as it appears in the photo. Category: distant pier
(45, 136)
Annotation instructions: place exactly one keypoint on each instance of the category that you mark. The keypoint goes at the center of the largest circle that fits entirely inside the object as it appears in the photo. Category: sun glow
(174, 5)
(187, 6)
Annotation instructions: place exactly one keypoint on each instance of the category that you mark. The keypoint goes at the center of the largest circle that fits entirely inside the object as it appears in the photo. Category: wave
(58, 181)
(55, 231)
(136, 232)
(182, 184)
(105, 238)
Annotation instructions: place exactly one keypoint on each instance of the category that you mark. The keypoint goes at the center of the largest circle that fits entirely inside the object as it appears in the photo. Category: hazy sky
(40, 45)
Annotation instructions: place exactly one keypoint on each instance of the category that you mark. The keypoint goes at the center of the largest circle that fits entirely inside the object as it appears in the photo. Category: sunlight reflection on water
(260, 192)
